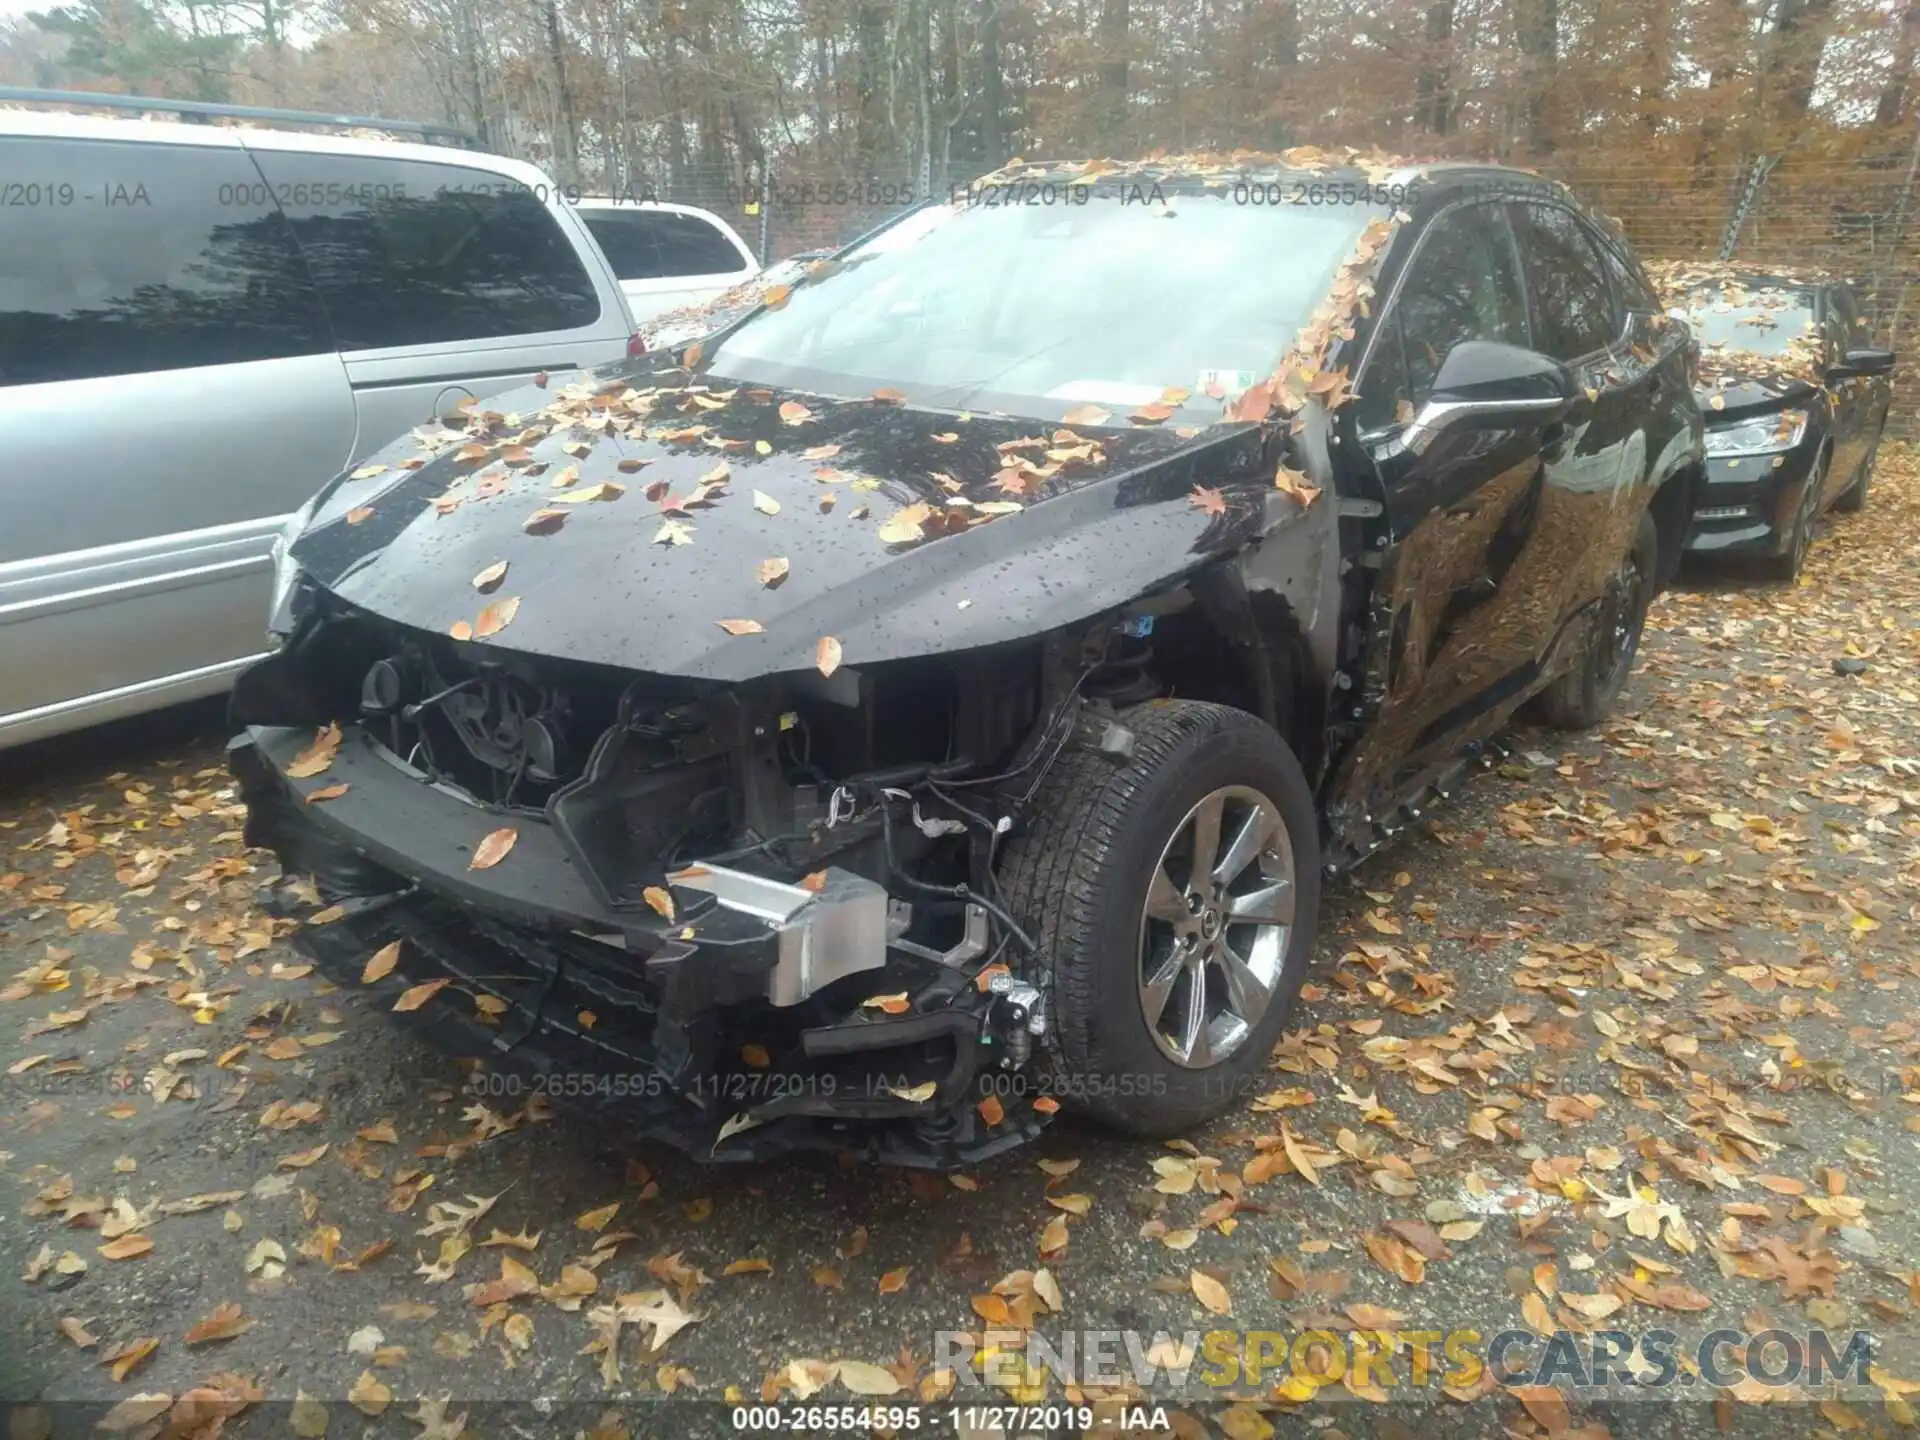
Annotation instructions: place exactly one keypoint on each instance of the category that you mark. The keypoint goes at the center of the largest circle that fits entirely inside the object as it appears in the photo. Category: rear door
(1597, 457)
(1855, 398)
(1456, 603)
(443, 281)
(668, 256)
(169, 393)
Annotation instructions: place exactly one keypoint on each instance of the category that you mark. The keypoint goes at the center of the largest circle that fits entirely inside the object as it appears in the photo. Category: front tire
(1169, 978)
(1786, 566)
(1582, 698)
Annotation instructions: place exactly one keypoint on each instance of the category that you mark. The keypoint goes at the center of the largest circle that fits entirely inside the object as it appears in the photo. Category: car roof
(1303, 161)
(52, 124)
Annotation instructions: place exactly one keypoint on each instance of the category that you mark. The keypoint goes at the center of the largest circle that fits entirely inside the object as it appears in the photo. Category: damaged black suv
(937, 696)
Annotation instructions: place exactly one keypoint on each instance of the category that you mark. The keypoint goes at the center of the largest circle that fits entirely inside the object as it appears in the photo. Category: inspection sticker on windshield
(1225, 382)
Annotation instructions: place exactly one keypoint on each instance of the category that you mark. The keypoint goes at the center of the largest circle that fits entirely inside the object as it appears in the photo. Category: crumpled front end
(714, 922)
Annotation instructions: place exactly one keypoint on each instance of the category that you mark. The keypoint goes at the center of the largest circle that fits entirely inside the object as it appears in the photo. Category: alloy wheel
(1215, 927)
(1805, 514)
(1620, 621)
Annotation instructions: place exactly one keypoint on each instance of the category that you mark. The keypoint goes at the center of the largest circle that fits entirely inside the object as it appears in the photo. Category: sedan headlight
(1764, 435)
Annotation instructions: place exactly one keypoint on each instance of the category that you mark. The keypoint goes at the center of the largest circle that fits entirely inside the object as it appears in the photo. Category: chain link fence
(1850, 217)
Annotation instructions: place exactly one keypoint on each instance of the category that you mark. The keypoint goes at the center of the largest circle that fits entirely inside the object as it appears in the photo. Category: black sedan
(1794, 406)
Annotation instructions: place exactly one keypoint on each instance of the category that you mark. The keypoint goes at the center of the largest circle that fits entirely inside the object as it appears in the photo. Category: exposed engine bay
(745, 915)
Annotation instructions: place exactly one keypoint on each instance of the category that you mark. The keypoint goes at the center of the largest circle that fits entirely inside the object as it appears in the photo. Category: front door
(1456, 601)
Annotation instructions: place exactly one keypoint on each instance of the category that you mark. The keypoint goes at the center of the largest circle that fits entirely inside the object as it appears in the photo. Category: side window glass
(656, 244)
(407, 252)
(123, 257)
(1635, 292)
(1383, 387)
(1463, 286)
(1572, 304)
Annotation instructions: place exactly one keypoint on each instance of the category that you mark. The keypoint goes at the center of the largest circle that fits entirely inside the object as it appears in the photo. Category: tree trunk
(1434, 103)
(1798, 40)
(1537, 25)
(993, 99)
(1893, 93)
(873, 61)
(566, 140)
(1112, 107)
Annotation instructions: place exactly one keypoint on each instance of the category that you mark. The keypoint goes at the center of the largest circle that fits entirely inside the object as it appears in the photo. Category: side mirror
(1862, 362)
(1484, 384)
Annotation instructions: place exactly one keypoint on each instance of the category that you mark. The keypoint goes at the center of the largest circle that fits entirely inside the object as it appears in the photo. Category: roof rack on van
(203, 110)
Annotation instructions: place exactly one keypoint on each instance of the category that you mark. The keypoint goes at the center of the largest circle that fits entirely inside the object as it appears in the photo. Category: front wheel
(1787, 564)
(1174, 898)
(1582, 697)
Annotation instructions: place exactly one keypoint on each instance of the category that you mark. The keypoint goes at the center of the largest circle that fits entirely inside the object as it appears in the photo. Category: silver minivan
(199, 327)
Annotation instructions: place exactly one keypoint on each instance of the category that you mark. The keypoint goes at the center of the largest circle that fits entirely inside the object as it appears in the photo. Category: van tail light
(636, 345)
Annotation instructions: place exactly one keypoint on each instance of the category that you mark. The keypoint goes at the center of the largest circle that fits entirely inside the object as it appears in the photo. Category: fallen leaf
(772, 572)
(826, 655)
(122, 1360)
(597, 1220)
(493, 848)
(418, 995)
(380, 964)
(317, 756)
(126, 1247)
(490, 578)
(863, 1378)
(894, 1281)
(1210, 1292)
(660, 900)
(224, 1323)
(496, 617)
(134, 1413)
(368, 1395)
(1210, 502)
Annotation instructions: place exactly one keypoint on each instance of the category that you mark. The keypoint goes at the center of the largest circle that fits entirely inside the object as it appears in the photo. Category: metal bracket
(973, 943)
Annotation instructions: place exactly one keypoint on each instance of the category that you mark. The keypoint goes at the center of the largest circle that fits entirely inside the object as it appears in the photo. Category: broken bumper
(733, 1031)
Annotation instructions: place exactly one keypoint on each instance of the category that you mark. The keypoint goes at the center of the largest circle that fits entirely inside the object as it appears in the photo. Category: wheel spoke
(1246, 993)
(1206, 836)
(1154, 993)
(1248, 840)
(1194, 1049)
(1269, 905)
(1164, 900)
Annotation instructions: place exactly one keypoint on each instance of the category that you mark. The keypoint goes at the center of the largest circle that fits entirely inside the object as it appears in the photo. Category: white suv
(667, 256)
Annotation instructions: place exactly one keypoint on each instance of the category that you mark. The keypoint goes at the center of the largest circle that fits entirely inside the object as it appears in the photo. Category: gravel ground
(1624, 1039)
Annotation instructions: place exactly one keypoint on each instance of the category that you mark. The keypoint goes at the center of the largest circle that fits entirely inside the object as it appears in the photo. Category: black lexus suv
(937, 696)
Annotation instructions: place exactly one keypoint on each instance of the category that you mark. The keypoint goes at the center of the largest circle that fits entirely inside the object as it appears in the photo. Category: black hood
(602, 588)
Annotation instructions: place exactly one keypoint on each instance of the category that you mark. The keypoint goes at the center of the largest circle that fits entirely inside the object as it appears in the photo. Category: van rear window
(408, 252)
